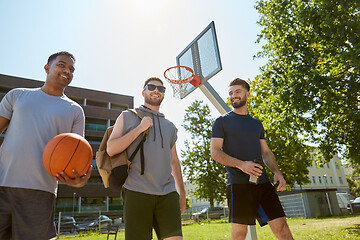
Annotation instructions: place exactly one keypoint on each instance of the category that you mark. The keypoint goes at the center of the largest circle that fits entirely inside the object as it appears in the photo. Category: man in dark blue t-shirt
(238, 142)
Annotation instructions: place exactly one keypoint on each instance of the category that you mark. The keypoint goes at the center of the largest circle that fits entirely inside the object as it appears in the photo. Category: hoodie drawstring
(154, 128)
(162, 140)
(152, 116)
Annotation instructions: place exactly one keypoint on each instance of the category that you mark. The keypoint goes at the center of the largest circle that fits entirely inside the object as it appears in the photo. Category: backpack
(114, 170)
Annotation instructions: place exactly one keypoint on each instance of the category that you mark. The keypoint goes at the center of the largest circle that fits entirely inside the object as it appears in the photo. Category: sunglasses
(152, 87)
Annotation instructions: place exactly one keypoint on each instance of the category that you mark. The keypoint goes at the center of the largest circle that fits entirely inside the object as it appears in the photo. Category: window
(328, 166)
(325, 179)
(337, 166)
(96, 124)
(320, 180)
(118, 106)
(96, 103)
(313, 179)
(340, 180)
(94, 164)
(331, 180)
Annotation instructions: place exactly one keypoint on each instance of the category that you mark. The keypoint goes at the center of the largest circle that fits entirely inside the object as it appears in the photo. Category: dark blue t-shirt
(241, 134)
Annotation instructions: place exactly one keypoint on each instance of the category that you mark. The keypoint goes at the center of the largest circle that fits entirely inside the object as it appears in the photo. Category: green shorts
(143, 212)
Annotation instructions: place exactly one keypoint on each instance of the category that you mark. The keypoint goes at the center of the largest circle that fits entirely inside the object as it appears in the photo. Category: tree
(199, 168)
(188, 205)
(354, 186)
(353, 180)
(311, 79)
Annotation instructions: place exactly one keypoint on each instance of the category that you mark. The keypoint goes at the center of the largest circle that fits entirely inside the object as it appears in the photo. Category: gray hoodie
(157, 178)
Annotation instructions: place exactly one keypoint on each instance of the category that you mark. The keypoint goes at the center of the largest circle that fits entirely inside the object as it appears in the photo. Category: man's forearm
(118, 145)
(177, 174)
(225, 159)
(270, 161)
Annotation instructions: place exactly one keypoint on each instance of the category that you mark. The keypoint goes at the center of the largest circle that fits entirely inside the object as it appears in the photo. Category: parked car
(210, 213)
(67, 224)
(355, 205)
(92, 223)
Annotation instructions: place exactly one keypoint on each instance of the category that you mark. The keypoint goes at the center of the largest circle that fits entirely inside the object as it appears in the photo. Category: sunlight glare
(146, 7)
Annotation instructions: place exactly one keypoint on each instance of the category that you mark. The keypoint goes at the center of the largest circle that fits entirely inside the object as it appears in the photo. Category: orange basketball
(65, 152)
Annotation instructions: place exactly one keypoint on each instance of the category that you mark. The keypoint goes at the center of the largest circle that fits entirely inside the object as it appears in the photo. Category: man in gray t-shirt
(151, 199)
(32, 117)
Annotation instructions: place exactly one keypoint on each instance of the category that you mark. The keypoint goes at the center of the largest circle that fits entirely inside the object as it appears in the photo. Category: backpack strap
(141, 148)
(141, 144)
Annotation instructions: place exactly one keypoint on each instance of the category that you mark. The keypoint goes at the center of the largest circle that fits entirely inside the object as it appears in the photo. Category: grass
(338, 227)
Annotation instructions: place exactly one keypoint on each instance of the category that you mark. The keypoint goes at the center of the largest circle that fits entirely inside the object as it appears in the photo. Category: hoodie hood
(155, 117)
(148, 110)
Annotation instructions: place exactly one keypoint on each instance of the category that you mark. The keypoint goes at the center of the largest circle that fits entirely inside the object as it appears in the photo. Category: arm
(4, 123)
(176, 172)
(118, 142)
(270, 161)
(248, 167)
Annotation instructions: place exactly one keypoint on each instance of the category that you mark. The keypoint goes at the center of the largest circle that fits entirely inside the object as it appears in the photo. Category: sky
(118, 44)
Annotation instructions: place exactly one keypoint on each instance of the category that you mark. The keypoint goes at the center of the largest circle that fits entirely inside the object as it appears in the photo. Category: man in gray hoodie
(151, 198)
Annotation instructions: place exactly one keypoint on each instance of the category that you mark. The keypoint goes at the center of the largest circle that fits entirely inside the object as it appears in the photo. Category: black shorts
(26, 214)
(143, 212)
(248, 202)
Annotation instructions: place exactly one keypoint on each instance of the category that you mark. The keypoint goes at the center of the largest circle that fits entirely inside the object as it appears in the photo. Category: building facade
(101, 110)
(326, 176)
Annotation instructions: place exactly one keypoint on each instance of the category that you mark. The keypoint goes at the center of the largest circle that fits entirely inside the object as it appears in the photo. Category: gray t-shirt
(35, 118)
(157, 178)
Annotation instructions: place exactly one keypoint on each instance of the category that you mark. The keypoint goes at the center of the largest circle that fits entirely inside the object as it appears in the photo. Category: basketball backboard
(202, 55)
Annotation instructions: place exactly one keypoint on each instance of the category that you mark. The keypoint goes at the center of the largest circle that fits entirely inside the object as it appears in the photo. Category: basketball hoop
(180, 79)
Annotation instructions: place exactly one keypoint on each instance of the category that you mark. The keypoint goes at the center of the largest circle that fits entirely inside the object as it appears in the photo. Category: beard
(239, 104)
(152, 102)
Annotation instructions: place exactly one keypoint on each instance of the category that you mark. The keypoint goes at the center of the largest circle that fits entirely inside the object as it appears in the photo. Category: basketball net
(181, 78)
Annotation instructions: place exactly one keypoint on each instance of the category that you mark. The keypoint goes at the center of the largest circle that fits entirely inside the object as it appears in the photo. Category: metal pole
(328, 201)
(107, 203)
(223, 108)
(99, 220)
(79, 204)
(251, 234)
(73, 204)
(327, 195)
(214, 98)
(59, 222)
(303, 203)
